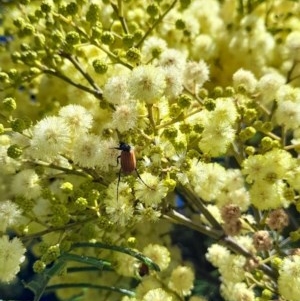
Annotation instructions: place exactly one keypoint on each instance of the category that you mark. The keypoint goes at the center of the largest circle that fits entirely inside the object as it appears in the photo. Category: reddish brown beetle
(128, 162)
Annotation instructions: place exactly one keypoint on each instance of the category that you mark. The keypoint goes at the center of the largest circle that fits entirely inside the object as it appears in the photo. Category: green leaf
(152, 265)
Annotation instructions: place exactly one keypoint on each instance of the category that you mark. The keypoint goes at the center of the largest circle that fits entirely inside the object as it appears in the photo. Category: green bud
(19, 22)
(72, 37)
(180, 24)
(193, 154)
(247, 133)
(62, 9)
(39, 170)
(198, 128)
(218, 91)
(65, 245)
(133, 55)
(276, 263)
(250, 115)
(96, 32)
(39, 266)
(170, 184)
(267, 127)
(185, 3)
(15, 57)
(128, 40)
(295, 235)
(152, 9)
(202, 93)
(174, 110)
(29, 57)
(67, 187)
(229, 91)
(170, 133)
(52, 254)
(57, 37)
(241, 89)
(117, 28)
(46, 7)
(209, 104)
(72, 8)
(39, 40)
(34, 71)
(131, 242)
(25, 47)
(9, 104)
(4, 78)
(156, 52)
(266, 143)
(250, 150)
(32, 18)
(27, 30)
(266, 294)
(276, 144)
(81, 203)
(100, 66)
(184, 101)
(138, 34)
(39, 14)
(258, 124)
(93, 196)
(13, 73)
(107, 38)
(93, 13)
(14, 151)
(185, 128)
(18, 125)
(24, 2)
(187, 33)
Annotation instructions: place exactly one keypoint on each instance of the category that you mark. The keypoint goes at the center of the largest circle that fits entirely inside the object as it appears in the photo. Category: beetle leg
(118, 160)
(142, 179)
(119, 178)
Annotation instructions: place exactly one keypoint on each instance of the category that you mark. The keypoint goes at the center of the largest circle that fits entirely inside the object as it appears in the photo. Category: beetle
(128, 162)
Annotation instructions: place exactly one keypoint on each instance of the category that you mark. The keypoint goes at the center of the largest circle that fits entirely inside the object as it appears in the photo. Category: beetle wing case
(128, 162)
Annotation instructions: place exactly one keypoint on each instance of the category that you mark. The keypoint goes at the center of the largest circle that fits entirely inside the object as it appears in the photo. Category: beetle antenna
(142, 180)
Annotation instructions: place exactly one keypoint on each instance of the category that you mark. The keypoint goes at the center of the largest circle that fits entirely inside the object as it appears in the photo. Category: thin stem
(76, 64)
(64, 169)
(155, 24)
(179, 118)
(289, 77)
(55, 73)
(194, 199)
(292, 146)
(119, 12)
(230, 243)
(272, 135)
(178, 218)
(150, 115)
(55, 229)
(94, 42)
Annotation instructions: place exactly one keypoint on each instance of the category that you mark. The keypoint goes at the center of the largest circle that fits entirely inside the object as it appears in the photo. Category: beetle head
(123, 147)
